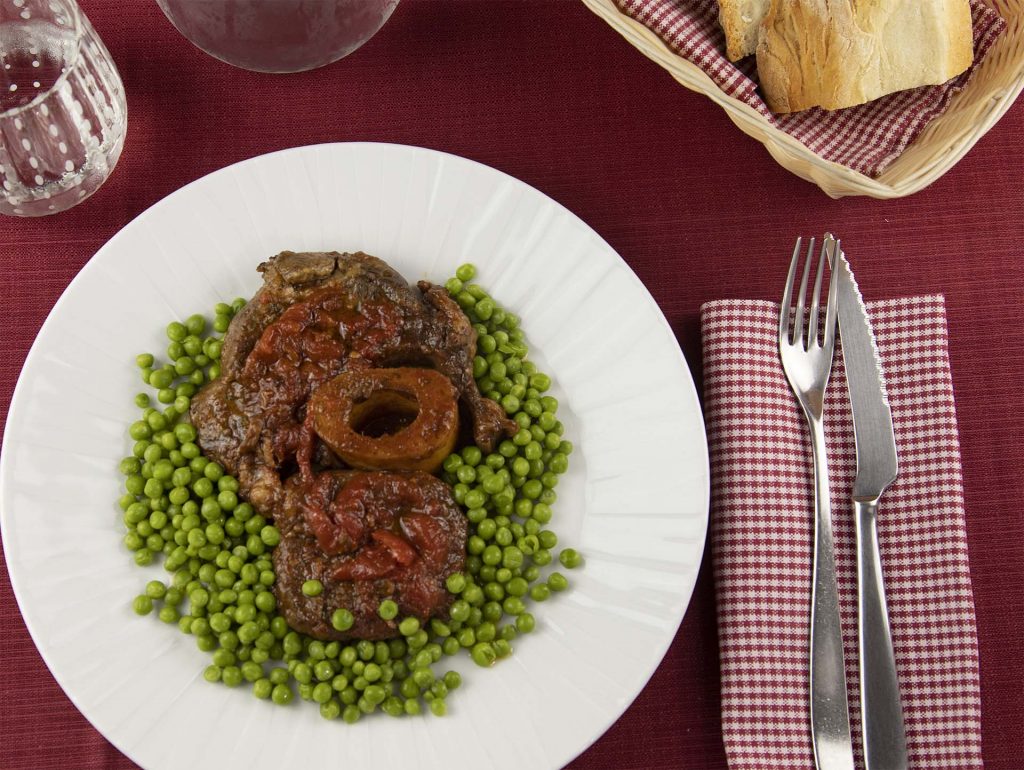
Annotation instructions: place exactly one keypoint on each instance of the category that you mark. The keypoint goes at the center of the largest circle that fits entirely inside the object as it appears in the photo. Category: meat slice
(366, 536)
(316, 316)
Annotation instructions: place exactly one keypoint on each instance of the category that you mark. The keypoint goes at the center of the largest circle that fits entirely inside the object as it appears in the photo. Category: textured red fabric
(762, 537)
(866, 138)
(545, 91)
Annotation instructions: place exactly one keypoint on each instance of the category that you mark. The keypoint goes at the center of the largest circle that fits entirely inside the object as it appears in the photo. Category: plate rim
(91, 264)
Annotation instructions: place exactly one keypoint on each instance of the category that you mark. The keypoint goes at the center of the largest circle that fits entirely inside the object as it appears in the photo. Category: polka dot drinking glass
(62, 108)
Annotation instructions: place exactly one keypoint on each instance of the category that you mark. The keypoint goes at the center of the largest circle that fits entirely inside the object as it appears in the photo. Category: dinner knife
(885, 741)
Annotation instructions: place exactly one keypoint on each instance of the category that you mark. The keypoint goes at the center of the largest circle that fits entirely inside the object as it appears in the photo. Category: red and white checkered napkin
(865, 138)
(762, 527)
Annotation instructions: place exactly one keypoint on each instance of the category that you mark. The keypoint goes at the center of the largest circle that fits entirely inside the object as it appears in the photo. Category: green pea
(492, 485)
(231, 676)
(143, 604)
(486, 631)
(517, 586)
(520, 466)
(484, 308)
(409, 626)
(492, 612)
(541, 557)
(459, 611)
(438, 707)
(322, 693)
(540, 382)
(168, 614)
(269, 534)
(162, 378)
(451, 645)
(513, 605)
(342, 620)
(375, 694)
(262, 688)
(474, 498)
(491, 555)
(557, 581)
(547, 539)
(456, 582)
(570, 558)
(388, 610)
(202, 487)
(130, 466)
(559, 462)
(497, 370)
(483, 654)
(466, 637)
(474, 595)
(162, 470)
(212, 673)
(453, 285)
(465, 272)
(265, 602)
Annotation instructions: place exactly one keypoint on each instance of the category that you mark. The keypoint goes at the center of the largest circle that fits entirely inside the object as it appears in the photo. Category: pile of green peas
(507, 493)
(217, 547)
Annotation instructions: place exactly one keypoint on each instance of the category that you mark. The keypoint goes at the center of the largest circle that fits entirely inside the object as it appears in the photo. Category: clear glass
(62, 108)
(278, 35)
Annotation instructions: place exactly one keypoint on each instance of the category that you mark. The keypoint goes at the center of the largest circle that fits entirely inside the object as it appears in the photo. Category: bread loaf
(741, 19)
(838, 53)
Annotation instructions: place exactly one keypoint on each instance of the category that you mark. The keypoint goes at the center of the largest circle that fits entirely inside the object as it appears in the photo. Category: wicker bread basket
(996, 83)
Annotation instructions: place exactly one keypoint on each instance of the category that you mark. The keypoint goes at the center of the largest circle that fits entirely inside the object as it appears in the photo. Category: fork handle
(830, 715)
(885, 741)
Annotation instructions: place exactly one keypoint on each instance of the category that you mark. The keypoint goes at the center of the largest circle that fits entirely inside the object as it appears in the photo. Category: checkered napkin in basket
(865, 138)
(762, 536)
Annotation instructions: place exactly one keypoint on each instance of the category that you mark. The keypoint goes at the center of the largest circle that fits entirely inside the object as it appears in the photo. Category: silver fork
(807, 362)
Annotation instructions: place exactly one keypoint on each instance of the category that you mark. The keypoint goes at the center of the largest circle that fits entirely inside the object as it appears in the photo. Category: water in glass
(62, 107)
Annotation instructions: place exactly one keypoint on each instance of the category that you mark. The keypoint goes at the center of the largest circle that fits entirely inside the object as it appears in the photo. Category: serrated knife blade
(884, 736)
(877, 464)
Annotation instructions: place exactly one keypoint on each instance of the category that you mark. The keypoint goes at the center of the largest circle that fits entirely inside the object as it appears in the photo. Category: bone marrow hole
(383, 413)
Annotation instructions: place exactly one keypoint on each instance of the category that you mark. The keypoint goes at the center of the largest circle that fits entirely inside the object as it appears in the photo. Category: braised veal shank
(319, 315)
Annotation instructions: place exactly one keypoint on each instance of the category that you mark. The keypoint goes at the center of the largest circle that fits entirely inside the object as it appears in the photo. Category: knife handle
(885, 740)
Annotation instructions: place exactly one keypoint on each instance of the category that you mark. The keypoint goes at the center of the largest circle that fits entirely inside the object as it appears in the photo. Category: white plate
(634, 502)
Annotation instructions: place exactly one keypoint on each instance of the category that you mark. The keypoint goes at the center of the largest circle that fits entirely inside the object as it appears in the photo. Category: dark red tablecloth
(545, 91)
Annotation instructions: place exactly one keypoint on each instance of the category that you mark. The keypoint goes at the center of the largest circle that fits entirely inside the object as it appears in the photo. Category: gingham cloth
(866, 138)
(762, 536)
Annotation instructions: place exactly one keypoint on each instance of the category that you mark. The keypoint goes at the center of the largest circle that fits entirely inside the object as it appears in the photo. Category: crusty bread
(838, 53)
(741, 19)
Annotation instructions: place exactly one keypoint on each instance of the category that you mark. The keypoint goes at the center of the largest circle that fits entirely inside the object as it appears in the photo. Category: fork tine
(832, 308)
(812, 322)
(787, 295)
(798, 330)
